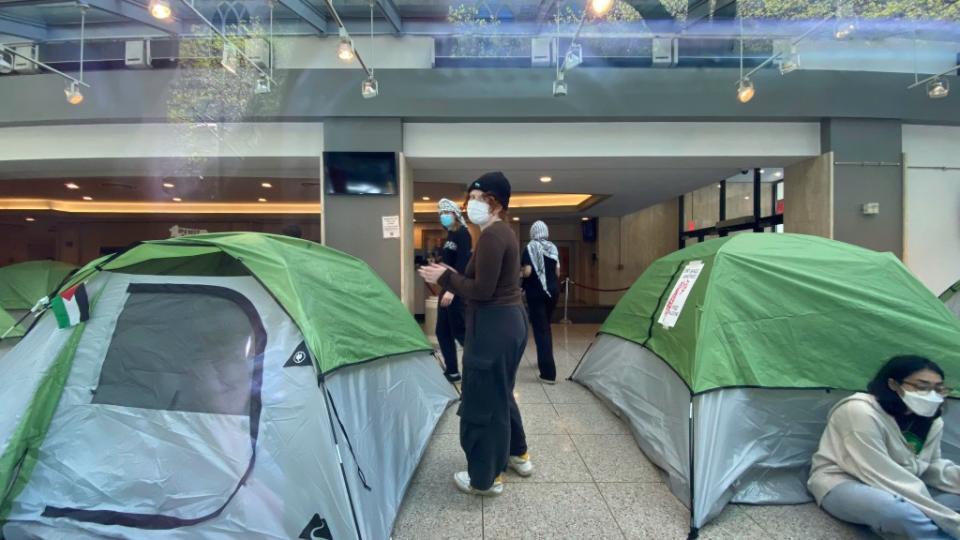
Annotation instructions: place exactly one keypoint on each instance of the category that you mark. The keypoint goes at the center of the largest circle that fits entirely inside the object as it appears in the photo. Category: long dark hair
(899, 368)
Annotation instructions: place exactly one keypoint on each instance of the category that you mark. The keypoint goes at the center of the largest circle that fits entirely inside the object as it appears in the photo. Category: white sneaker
(521, 464)
(462, 480)
(546, 381)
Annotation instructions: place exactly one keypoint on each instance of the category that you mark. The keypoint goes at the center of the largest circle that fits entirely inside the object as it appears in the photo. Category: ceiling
(189, 189)
(627, 184)
(618, 185)
(158, 168)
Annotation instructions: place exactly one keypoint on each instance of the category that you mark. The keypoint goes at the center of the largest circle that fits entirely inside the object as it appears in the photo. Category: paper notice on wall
(391, 226)
(678, 297)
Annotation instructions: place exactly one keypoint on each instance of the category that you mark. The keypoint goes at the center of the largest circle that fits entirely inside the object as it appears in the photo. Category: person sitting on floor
(879, 462)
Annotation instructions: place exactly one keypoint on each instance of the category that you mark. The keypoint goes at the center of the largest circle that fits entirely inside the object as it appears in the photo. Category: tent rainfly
(726, 357)
(232, 385)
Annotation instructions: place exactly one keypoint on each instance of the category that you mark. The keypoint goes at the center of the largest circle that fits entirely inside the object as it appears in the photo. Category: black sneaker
(453, 377)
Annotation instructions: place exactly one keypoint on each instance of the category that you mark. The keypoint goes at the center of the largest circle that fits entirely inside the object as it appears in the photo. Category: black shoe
(453, 377)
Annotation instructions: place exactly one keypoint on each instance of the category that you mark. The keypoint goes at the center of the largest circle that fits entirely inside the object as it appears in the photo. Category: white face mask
(924, 404)
(478, 212)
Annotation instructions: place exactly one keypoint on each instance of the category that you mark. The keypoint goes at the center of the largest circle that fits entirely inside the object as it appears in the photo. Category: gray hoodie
(862, 443)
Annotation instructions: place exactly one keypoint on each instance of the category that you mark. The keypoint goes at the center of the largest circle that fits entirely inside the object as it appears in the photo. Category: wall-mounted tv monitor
(360, 173)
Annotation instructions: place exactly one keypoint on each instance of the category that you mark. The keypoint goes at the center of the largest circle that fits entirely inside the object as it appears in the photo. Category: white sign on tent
(678, 297)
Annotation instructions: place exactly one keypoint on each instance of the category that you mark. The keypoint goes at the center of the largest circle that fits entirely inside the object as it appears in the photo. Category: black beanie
(494, 183)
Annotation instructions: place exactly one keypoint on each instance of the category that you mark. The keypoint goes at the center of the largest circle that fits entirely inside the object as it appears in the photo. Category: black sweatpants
(451, 326)
(491, 429)
(541, 313)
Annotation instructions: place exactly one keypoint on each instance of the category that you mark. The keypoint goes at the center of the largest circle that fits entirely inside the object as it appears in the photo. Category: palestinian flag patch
(71, 306)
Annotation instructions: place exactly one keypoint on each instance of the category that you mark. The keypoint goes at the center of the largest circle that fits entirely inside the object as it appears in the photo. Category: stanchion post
(566, 301)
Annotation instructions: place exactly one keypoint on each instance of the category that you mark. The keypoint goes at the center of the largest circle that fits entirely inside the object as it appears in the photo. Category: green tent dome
(786, 311)
(347, 314)
(22, 284)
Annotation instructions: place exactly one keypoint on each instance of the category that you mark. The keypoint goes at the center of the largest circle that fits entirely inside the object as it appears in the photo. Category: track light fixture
(745, 90)
(370, 89)
(791, 63)
(262, 86)
(72, 91)
(230, 59)
(574, 56)
(559, 86)
(938, 88)
(160, 9)
(844, 29)
(345, 48)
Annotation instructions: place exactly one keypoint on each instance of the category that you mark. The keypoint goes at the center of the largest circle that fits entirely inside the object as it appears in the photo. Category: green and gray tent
(22, 284)
(226, 385)
(9, 329)
(726, 357)
(951, 297)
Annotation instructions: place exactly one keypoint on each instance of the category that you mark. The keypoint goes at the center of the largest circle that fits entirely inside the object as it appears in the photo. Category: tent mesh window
(182, 348)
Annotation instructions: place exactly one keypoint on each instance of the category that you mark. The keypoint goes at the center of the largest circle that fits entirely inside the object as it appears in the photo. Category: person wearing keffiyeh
(540, 284)
(456, 252)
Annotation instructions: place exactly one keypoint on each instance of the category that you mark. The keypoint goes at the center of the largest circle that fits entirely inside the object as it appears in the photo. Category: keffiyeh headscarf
(446, 205)
(538, 248)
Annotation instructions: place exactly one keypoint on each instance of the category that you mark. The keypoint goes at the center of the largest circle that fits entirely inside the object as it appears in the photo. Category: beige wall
(703, 205)
(808, 197)
(628, 245)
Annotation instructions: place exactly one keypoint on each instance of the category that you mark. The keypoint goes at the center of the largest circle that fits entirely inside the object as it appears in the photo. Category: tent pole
(343, 471)
(723, 205)
(683, 239)
(694, 531)
(756, 200)
(566, 301)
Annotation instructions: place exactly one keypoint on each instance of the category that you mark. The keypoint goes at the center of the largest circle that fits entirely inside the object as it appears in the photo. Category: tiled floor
(591, 480)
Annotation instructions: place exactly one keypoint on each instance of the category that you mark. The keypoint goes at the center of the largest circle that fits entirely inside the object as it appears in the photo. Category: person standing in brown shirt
(491, 429)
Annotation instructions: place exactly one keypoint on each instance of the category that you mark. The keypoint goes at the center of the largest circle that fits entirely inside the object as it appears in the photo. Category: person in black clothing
(541, 286)
(491, 426)
(451, 327)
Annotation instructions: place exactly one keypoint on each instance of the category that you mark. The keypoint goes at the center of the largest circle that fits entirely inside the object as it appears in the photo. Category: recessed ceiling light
(546, 179)
(762, 171)
(30, 219)
(747, 198)
(267, 185)
(169, 185)
(177, 199)
(584, 219)
(425, 198)
(87, 198)
(516, 219)
(71, 185)
(261, 199)
(779, 174)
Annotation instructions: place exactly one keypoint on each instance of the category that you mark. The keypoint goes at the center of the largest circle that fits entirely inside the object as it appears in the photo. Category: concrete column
(868, 157)
(352, 224)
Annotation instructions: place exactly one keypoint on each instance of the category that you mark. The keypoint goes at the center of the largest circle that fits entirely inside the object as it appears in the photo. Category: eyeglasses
(924, 387)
